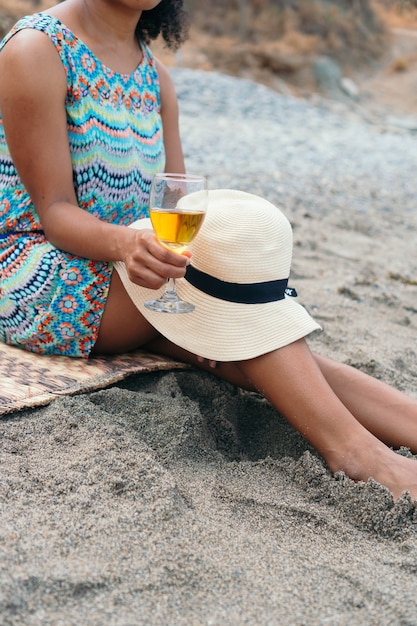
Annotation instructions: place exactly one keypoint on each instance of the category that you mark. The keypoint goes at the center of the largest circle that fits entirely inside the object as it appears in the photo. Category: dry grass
(276, 41)
(313, 27)
(17, 8)
(397, 14)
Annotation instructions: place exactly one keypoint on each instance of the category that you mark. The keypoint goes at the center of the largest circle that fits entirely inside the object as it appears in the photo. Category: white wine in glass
(177, 206)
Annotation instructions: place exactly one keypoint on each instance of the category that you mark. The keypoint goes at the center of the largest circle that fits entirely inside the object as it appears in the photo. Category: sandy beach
(175, 499)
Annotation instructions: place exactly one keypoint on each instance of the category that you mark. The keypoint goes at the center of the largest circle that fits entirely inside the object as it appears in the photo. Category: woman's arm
(170, 120)
(33, 89)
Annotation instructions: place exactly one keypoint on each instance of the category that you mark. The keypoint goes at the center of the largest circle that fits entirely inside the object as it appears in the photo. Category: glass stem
(170, 290)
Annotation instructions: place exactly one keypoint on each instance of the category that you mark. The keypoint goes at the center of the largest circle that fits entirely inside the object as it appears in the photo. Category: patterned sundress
(51, 302)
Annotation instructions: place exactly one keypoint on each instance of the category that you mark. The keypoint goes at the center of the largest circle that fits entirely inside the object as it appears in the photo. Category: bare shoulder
(165, 78)
(29, 58)
(30, 49)
(168, 94)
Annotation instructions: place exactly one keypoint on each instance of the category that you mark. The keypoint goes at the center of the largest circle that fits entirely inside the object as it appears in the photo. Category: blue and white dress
(51, 302)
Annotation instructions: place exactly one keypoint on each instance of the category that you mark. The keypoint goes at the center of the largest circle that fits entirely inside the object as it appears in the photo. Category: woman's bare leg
(291, 379)
(122, 327)
(335, 407)
(388, 413)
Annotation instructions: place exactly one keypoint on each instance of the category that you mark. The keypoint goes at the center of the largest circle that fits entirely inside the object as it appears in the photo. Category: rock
(350, 88)
(404, 122)
(328, 77)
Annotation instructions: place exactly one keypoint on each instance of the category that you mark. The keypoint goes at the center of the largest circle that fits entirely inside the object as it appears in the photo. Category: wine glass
(177, 206)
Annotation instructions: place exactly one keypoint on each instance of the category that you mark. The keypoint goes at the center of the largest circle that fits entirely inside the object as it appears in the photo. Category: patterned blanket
(28, 380)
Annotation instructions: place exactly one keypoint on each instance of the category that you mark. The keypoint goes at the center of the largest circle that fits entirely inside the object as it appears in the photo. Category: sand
(174, 498)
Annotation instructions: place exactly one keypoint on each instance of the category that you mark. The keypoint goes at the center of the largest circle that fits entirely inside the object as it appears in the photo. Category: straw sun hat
(239, 269)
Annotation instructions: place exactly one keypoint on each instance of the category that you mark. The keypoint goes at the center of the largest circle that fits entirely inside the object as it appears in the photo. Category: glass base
(169, 306)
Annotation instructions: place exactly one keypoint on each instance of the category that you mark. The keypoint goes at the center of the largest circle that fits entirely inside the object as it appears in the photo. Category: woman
(88, 116)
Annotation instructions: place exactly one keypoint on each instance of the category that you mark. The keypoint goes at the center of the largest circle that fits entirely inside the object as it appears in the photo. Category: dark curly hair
(168, 19)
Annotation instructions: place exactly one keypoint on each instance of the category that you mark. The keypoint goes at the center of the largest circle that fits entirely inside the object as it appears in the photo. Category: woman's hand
(149, 264)
(210, 362)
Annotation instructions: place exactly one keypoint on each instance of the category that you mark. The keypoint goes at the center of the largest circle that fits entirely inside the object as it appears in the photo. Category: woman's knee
(122, 326)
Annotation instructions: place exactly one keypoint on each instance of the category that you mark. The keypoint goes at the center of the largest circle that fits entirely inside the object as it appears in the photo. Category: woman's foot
(396, 472)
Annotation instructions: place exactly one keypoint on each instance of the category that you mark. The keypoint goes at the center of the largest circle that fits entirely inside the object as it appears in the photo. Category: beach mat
(29, 380)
